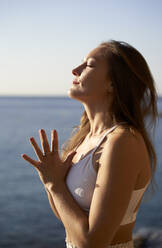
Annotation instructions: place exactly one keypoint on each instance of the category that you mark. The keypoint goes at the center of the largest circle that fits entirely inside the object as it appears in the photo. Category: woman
(96, 187)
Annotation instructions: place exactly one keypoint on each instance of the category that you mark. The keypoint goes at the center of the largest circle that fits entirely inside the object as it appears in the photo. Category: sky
(41, 41)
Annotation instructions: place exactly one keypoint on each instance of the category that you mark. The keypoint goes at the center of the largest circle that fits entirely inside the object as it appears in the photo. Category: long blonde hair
(134, 98)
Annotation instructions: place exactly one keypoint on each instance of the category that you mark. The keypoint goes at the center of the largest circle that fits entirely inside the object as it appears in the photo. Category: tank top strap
(100, 141)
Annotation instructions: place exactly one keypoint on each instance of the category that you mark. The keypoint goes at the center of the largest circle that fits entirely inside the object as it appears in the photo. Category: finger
(54, 141)
(30, 160)
(36, 149)
(44, 141)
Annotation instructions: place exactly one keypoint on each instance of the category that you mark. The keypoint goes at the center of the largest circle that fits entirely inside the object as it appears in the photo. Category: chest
(85, 149)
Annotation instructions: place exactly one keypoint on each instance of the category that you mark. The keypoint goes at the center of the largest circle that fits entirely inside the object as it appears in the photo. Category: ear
(109, 87)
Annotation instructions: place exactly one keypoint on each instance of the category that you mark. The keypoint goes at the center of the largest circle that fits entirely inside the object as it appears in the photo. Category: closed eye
(90, 65)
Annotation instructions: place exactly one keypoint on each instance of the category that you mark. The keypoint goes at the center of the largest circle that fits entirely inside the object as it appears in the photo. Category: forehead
(96, 53)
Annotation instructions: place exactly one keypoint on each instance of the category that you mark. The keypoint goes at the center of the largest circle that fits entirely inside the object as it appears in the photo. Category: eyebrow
(83, 60)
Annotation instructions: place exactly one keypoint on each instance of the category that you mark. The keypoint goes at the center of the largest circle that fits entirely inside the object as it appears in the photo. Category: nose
(77, 70)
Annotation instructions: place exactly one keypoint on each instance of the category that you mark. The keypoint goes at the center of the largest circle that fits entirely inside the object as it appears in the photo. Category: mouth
(76, 82)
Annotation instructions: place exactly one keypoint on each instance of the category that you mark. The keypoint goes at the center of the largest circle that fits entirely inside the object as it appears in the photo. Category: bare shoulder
(125, 134)
(126, 143)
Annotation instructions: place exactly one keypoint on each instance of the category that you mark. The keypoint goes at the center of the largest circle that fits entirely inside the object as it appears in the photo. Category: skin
(51, 169)
(94, 91)
(119, 173)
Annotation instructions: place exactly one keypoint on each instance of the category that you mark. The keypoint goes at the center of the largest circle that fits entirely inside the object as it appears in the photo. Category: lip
(75, 82)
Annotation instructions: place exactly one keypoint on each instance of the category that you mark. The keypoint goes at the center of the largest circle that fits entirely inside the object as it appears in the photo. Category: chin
(71, 93)
(74, 94)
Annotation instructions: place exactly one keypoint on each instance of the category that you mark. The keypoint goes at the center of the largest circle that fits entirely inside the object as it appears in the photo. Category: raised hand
(51, 169)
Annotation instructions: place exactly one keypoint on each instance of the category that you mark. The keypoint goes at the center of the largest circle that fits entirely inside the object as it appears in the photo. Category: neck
(99, 133)
(99, 117)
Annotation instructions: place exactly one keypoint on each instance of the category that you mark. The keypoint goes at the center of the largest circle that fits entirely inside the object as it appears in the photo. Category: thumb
(70, 157)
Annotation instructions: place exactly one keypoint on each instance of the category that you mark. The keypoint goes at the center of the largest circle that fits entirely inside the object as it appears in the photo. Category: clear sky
(41, 41)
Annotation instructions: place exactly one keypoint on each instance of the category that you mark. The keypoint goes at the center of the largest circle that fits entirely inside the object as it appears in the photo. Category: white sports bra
(81, 180)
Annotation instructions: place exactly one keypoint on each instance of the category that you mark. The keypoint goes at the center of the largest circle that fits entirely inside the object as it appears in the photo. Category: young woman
(95, 188)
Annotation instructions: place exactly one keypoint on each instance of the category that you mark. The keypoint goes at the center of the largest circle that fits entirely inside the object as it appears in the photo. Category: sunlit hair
(134, 98)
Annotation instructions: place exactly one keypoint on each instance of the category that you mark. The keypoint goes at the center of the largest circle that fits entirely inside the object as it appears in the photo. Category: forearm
(73, 217)
(52, 205)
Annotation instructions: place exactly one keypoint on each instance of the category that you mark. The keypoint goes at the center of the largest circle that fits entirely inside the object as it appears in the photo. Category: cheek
(96, 83)
(93, 81)
(89, 78)
(94, 88)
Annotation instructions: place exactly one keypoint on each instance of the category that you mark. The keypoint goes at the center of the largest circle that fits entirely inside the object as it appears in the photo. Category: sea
(26, 219)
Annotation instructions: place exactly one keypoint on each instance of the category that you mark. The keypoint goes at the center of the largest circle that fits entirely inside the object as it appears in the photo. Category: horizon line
(35, 95)
(32, 95)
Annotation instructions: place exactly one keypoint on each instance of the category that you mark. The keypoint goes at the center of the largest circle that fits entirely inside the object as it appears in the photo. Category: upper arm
(115, 182)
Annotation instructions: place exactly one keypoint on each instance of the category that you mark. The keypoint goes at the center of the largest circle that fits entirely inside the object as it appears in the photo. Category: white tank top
(81, 180)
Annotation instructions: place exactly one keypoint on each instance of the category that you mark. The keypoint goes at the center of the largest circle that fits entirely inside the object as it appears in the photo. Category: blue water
(26, 219)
